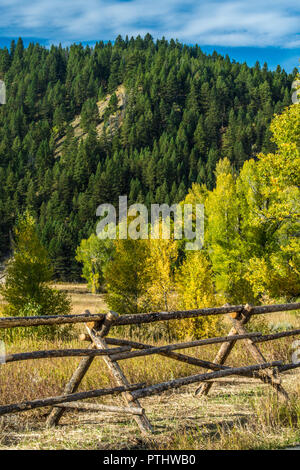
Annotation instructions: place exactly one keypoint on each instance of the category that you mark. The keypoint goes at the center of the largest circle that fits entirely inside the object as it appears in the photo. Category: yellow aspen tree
(162, 257)
(195, 289)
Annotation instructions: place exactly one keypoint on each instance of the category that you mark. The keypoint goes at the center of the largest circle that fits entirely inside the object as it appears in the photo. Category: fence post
(83, 367)
(225, 350)
(239, 320)
(120, 379)
(268, 376)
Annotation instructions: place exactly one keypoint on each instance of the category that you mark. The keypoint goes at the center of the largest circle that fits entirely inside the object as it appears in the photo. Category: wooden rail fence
(114, 350)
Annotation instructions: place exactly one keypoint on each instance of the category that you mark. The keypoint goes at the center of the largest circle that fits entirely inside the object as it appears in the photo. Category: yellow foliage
(125, 276)
(163, 255)
(196, 194)
(195, 288)
(278, 273)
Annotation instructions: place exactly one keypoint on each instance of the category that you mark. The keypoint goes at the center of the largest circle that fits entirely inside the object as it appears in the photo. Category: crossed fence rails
(121, 349)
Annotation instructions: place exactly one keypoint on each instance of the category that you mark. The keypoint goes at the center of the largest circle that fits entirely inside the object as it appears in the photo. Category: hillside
(114, 120)
(68, 142)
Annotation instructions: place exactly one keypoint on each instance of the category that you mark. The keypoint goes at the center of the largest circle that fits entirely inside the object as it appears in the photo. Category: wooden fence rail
(121, 349)
(40, 403)
(14, 322)
(64, 353)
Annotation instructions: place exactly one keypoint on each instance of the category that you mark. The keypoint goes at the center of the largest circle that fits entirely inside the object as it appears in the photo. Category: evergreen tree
(28, 274)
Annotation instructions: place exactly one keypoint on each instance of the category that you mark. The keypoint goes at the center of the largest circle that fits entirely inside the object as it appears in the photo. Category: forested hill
(182, 111)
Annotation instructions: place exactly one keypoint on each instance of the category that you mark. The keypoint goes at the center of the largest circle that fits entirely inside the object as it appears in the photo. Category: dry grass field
(239, 413)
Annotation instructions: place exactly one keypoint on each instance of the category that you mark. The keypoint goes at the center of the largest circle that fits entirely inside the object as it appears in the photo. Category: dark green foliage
(28, 273)
(89, 114)
(184, 110)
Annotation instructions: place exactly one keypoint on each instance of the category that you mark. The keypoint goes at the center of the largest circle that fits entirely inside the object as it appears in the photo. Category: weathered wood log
(40, 403)
(13, 322)
(272, 376)
(176, 383)
(177, 315)
(109, 320)
(178, 357)
(274, 336)
(152, 317)
(77, 377)
(260, 339)
(225, 349)
(63, 353)
(239, 319)
(287, 367)
(180, 314)
(118, 375)
(100, 407)
(189, 344)
(261, 309)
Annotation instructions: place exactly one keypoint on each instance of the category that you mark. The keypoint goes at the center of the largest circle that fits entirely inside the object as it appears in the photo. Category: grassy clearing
(239, 413)
(82, 299)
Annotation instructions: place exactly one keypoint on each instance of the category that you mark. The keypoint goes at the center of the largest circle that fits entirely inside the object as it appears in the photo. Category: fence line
(267, 372)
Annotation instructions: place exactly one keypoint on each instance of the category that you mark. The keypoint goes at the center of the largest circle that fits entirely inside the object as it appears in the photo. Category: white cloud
(223, 22)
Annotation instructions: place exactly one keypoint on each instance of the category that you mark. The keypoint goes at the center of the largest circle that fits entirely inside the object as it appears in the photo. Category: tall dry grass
(274, 424)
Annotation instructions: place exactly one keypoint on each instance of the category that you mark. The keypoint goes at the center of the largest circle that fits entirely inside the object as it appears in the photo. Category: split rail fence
(114, 350)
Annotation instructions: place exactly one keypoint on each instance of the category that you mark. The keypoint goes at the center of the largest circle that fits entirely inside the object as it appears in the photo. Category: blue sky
(264, 30)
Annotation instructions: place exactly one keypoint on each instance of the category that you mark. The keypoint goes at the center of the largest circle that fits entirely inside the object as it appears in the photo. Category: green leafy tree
(126, 277)
(159, 273)
(273, 200)
(95, 255)
(28, 274)
(226, 247)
